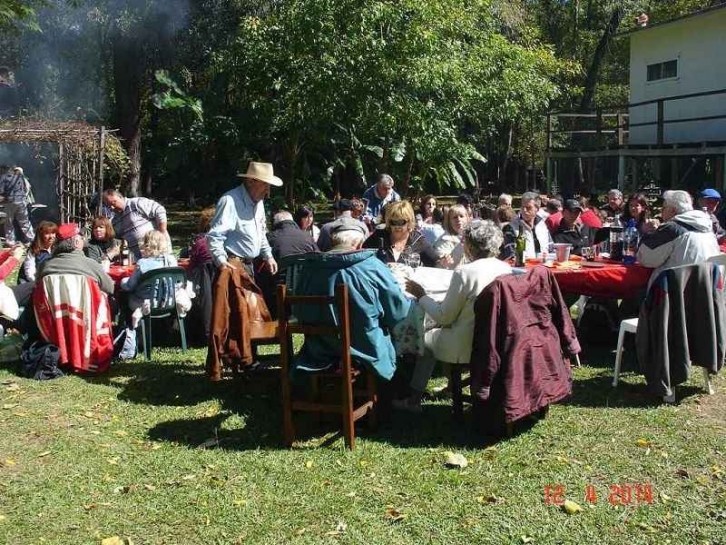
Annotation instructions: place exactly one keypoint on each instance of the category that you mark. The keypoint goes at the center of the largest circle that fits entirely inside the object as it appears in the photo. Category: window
(663, 70)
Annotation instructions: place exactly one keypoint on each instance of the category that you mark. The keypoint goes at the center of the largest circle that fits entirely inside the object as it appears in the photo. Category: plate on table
(592, 264)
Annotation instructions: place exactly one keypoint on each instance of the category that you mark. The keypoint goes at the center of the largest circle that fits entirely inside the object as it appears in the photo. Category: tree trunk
(603, 47)
(507, 156)
(129, 81)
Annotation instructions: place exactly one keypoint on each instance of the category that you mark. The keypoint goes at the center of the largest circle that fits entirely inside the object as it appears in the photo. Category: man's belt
(246, 260)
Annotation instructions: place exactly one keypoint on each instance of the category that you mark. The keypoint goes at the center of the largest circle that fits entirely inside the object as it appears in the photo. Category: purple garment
(199, 253)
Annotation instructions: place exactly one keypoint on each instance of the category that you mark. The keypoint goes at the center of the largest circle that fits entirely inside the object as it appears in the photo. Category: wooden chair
(345, 375)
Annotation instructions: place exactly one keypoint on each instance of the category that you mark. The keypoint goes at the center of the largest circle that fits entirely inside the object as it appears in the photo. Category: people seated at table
(685, 237)
(505, 214)
(400, 239)
(448, 247)
(708, 201)
(156, 254)
(377, 196)
(134, 217)
(103, 245)
(639, 210)
(40, 250)
(305, 220)
(451, 340)
(68, 258)
(376, 303)
(432, 231)
(535, 230)
(589, 216)
(615, 205)
(571, 231)
(505, 199)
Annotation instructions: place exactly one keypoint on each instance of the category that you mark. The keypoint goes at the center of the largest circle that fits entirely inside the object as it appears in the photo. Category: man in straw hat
(237, 231)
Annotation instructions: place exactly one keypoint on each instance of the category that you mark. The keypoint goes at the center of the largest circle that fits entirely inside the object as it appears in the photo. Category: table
(612, 280)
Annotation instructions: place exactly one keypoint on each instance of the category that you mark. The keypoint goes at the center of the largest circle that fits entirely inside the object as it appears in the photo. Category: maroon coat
(522, 328)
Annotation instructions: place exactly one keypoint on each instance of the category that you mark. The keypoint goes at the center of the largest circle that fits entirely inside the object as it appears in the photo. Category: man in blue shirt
(238, 228)
(379, 195)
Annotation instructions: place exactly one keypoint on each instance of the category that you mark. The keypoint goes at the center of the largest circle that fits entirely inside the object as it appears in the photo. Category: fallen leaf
(13, 387)
(643, 443)
(20, 415)
(3, 518)
(189, 477)
(571, 507)
(351, 494)
(115, 540)
(455, 460)
(299, 531)
(121, 433)
(703, 480)
(113, 461)
(665, 497)
(89, 414)
(683, 473)
(394, 515)
(155, 446)
(339, 530)
(90, 506)
(527, 539)
(491, 498)
(124, 489)
(309, 464)
(150, 487)
(239, 503)
(9, 462)
(363, 463)
(9, 406)
(44, 454)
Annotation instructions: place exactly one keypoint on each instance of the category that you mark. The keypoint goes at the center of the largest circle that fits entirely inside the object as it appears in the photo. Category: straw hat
(262, 172)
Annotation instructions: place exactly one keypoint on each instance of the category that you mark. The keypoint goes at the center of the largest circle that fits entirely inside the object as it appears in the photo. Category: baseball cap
(710, 194)
(343, 205)
(572, 205)
(67, 230)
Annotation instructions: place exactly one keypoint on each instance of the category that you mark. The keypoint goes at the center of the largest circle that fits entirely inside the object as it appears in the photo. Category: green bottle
(519, 246)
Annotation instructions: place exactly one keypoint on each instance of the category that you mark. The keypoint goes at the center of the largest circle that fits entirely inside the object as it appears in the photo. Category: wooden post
(549, 132)
(620, 131)
(660, 123)
(621, 172)
(598, 124)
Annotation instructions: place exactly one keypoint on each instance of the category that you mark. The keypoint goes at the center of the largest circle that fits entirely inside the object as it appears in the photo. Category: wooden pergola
(83, 151)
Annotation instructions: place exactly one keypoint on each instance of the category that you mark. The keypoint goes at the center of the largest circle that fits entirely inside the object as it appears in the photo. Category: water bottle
(630, 243)
(616, 239)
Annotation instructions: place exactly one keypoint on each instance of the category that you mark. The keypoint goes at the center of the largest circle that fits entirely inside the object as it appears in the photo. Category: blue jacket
(374, 204)
(376, 304)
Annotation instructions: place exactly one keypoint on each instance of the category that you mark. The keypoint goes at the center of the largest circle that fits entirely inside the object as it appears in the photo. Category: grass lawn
(119, 455)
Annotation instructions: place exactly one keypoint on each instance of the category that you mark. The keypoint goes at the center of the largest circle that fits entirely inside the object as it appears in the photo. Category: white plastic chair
(720, 259)
(631, 326)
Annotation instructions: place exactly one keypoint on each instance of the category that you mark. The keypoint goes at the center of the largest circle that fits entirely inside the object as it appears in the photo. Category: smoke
(66, 71)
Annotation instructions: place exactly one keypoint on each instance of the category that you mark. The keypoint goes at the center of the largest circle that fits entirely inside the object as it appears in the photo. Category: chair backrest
(286, 328)
(161, 284)
(720, 259)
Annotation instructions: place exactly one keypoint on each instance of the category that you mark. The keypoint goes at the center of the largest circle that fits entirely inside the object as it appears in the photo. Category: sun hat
(262, 172)
(710, 194)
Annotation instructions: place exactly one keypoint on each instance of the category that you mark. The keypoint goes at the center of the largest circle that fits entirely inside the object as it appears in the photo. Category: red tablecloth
(611, 281)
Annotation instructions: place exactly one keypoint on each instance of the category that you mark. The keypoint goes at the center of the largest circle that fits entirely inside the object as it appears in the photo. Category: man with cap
(68, 258)
(571, 231)
(376, 301)
(237, 233)
(708, 200)
(14, 189)
(343, 210)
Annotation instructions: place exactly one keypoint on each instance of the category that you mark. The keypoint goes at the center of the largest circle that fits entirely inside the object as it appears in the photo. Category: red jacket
(522, 328)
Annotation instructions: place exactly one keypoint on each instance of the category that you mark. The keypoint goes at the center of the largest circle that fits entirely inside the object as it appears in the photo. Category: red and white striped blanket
(73, 313)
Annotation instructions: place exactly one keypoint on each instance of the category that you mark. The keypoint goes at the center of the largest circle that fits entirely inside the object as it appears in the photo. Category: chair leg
(182, 333)
(618, 356)
(288, 427)
(671, 398)
(457, 403)
(347, 412)
(707, 382)
(146, 334)
(372, 395)
(581, 305)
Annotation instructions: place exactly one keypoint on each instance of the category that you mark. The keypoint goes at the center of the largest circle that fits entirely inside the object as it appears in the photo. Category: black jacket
(580, 236)
(287, 238)
(416, 243)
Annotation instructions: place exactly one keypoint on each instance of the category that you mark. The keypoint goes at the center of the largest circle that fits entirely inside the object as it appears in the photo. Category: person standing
(134, 217)
(14, 192)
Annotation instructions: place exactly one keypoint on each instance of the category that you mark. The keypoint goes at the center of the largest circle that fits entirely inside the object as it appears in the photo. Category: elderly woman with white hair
(685, 237)
(450, 341)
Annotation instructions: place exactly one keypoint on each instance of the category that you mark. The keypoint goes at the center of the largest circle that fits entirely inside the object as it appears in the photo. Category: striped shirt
(140, 216)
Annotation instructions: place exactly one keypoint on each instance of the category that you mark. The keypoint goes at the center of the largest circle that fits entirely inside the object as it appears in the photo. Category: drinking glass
(413, 260)
(588, 253)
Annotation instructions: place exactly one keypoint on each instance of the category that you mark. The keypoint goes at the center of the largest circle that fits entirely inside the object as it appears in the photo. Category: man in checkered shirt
(134, 217)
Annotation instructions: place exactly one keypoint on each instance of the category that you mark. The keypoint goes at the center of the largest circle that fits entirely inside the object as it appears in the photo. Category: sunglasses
(397, 223)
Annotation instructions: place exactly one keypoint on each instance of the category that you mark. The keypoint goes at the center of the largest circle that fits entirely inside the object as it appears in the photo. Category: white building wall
(699, 45)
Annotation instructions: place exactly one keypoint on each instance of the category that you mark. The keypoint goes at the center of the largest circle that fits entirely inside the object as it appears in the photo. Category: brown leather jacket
(237, 306)
(522, 329)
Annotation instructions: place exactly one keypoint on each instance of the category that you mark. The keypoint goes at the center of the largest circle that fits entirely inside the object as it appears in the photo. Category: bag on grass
(124, 345)
(40, 361)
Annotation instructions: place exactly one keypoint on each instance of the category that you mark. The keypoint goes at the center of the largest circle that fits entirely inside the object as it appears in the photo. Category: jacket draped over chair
(681, 323)
(522, 335)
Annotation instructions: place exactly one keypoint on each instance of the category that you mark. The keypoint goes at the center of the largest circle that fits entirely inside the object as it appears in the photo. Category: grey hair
(505, 199)
(483, 238)
(349, 238)
(615, 193)
(282, 215)
(68, 245)
(385, 179)
(529, 196)
(678, 199)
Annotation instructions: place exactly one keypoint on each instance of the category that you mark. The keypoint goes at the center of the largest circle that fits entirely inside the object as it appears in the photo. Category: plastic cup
(563, 251)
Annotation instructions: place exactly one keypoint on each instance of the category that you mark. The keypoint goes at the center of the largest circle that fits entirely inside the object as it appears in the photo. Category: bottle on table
(630, 242)
(616, 239)
(125, 260)
(520, 245)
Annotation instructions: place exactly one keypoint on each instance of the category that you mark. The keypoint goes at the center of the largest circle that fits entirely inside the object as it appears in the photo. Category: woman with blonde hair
(448, 247)
(400, 239)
